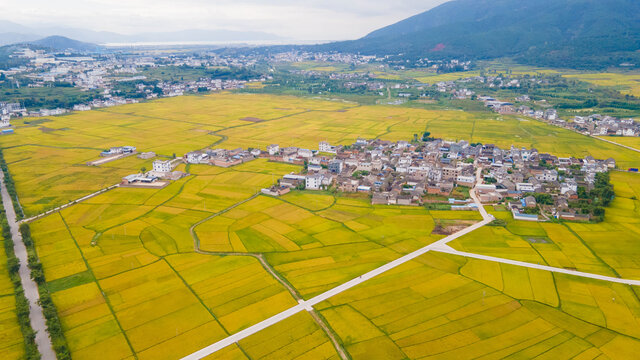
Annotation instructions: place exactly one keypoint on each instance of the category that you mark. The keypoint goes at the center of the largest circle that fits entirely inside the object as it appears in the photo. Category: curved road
(30, 287)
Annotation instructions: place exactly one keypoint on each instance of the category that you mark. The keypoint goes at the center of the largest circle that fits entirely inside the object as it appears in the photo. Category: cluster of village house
(410, 174)
(595, 124)
(405, 173)
(603, 125)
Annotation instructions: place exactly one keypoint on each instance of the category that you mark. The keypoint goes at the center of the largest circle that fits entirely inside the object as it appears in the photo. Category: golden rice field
(11, 339)
(48, 156)
(610, 248)
(316, 241)
(631, 141)
(626, 83)
(160, 273)
(127, 280)
(445, 307)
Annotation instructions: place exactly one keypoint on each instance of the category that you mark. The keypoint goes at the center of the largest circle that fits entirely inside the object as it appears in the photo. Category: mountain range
(574, 33)
(11, 33)
(556, 33)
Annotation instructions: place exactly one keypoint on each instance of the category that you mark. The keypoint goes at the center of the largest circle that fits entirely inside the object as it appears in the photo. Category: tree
(143, 169)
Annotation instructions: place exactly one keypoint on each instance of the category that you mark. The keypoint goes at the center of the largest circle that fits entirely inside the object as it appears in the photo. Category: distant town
(105, 80)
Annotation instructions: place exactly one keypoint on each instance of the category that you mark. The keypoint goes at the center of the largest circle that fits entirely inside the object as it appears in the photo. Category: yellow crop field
(316, 250)
(48, 157)
(626, 83)
(297, 337)
(11, 339)
(236, 289)
(583, 247)
(89, 326)
(159, 273)
(631, 141)
(425, 309)
(12, 342)
(310, 201)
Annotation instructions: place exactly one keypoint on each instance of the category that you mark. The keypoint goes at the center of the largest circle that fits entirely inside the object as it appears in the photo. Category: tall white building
(313, 182)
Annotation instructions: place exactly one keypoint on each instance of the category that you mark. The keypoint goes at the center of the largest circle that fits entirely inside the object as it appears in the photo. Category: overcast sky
(295, 19)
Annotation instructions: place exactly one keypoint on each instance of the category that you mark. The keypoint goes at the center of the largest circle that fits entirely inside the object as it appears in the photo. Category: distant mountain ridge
(11, 33)
(546, 32)
(63, 43)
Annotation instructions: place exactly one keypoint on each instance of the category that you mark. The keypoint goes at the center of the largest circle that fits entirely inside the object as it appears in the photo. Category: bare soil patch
(252, 119)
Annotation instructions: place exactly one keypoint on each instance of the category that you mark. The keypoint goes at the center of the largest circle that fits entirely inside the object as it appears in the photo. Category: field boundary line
(97, 282)
(263, 262)
(308, 304)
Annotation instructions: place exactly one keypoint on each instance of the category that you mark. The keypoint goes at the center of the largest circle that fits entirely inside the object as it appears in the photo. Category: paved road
(30, 287)
(449, 250)
(308, 305)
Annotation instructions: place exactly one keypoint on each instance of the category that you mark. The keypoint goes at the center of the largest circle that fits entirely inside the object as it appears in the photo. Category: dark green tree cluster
(11, 187)
(595, 201)
(22, 305)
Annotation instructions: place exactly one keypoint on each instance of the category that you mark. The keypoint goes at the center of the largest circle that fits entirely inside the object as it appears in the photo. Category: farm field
(127, 280)
(155, 274)
(426, 309)
(626, 83)
(632, 141)
(316, 241)
(48, 156)
(11, 340)
(609, 248)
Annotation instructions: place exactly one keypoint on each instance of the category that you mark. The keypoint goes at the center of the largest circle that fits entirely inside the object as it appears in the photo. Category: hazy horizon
(295, 20)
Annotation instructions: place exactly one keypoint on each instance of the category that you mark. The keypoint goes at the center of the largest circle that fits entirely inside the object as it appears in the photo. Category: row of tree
(22, 304)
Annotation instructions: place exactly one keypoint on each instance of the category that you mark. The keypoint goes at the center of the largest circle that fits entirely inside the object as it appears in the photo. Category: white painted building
(313, 182)
(197, 157)
(548, 175)
(465, 180)
(273, 149)
(305, 153)
(162, 166)
(326, 147)
(4, 121)
(525, 187)
(569, 185)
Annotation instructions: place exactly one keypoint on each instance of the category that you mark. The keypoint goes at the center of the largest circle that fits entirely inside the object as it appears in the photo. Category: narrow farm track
(615, 143)
(308, 304)
(260, 257)
(30, 287)
(439, 246)
(448, 250)
(70, 203)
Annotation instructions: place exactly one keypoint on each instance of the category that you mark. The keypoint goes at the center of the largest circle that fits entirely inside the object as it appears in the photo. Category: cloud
(302, 19)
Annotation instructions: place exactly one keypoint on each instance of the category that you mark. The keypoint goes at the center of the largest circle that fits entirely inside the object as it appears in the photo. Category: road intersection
(438, 246)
